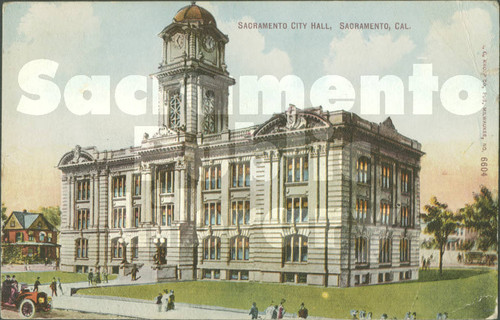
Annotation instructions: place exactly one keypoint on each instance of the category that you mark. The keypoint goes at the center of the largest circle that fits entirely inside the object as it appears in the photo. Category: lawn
(464, 294)
(46, 277)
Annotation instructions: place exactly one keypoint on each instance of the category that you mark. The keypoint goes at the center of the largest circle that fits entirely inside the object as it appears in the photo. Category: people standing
(302, 313)
(171, 300)
(37, 283)
(98, 277)
(254, 312)
(105, 275)
(167, 298)
(53, 287)
(269, 311)
(90, 277)
(59, 285)
(281, 309)
(158, 301)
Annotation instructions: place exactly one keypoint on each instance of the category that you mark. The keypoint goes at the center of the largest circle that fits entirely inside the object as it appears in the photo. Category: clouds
(355, 54)
(248, 54)
(455, 45)
(63, 32)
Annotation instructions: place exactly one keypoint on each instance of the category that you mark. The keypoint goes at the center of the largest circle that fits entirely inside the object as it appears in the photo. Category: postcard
(250, 160)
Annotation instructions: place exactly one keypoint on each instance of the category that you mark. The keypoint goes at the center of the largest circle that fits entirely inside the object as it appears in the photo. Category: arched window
(295, 248)
(363, 170)
(175, 110)
(404, 250)
(209, 112)
(41, 236)
(240, 248)
(405, 217)
(361, 210)
(82, 248)
(211, 248)
(361, 249)
(385, 250)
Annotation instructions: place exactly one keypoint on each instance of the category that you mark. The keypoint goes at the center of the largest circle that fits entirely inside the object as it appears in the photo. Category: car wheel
(27, 308)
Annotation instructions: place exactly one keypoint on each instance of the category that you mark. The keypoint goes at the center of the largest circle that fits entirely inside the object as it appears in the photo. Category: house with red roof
(33, 233)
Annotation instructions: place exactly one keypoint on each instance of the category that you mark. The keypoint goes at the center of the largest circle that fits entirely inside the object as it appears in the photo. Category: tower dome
(194, 13)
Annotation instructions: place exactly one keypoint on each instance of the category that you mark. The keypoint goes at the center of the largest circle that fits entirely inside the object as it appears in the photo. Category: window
(361, 249)
(167, 215)
(211, 248)
(297, 209)
(82, 248)
(405, 181)
(212, 177)
(404, 250)
(212, 214)
(82, 219)
(239, 248)
(361, 209)
(83, 190)
(137, 184)
(233, 275)
(297, 169)
(209, 113)
(240, 213)
(41, 236)
(386, 176)
(385, 250)
(296, 248)
(385, 213)
(241, 174)
(405, 216)
(19, 237)
(119, 189)
(207, 274)
(167, 179)
(135, 248)
(49, 237)
(117, 249)
(175, 110)
(137, 216)
(363, 170)
(119, 217)
(12, 223)
(31, 236)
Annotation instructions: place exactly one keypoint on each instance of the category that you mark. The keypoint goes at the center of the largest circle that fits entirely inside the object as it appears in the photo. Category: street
(61, 314)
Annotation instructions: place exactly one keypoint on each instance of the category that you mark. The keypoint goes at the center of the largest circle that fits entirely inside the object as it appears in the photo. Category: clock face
(209, 43)
(178, 40)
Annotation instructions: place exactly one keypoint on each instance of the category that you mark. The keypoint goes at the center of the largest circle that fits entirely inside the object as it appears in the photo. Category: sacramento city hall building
(310, 196)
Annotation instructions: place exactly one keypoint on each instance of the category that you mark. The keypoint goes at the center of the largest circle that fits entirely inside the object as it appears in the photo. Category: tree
(482, 217)
(4, 212)
(441, 223)
(52, 214)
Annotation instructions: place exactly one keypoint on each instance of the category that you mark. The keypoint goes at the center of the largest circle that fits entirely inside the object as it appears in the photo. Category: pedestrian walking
(59, 285)
(158, 301)
(281, 309)
(98, 278)
(90, 277)
(302, 313)
(37, 283)
(105, 275)
(254, 312)
(53, 287)
(275, 312)
(429, 263)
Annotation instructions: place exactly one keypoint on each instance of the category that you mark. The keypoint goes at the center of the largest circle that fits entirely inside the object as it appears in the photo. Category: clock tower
(193, 79)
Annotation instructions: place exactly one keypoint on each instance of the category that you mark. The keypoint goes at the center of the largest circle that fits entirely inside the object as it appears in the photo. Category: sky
(119, 39)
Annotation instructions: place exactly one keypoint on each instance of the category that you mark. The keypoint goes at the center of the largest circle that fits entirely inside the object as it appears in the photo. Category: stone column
(146, 209)
(71, 201)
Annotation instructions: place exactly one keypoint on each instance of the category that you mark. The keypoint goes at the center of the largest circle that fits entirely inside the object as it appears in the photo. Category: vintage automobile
(28, 303)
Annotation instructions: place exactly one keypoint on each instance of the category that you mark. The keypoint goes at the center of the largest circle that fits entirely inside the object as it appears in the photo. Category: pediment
(293, 119)
(75, 157)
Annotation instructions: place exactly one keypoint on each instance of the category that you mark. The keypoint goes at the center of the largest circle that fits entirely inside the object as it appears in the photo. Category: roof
(26, 219)
(194, 13)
